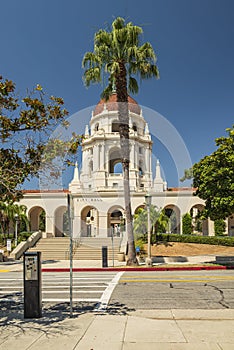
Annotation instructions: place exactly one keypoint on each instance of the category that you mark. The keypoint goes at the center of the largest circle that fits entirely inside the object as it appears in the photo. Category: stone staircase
(56, 248)
(85, 248)
(91, 248)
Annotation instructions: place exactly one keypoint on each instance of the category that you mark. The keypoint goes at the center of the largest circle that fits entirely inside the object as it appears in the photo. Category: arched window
(115, 126)
(96, 127)
(118, 168)
(134, 126)
(115, 165)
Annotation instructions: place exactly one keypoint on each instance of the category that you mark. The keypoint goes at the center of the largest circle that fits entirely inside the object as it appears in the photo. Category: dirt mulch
(189, 249)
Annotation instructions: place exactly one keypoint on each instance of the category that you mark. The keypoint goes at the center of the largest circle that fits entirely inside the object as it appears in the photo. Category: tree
(187, 227)
(158, 219)
(219, 227)
(213, 178)
(8, 212)
(25, 125)
(119, 56)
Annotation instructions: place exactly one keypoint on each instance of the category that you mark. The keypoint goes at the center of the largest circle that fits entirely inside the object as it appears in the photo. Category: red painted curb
(130, 269)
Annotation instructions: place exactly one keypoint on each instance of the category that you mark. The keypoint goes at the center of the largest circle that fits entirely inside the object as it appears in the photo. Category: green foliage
(25, 126)
(158, 219)
(213, 177)
(23, 236)
(214, 240)
(140, 243)
(118, 57)
(116, 51)
(42, 222)
(187, 224)
(219, 227)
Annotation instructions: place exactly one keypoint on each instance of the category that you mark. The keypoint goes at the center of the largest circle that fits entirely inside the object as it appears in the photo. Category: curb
(118, 269)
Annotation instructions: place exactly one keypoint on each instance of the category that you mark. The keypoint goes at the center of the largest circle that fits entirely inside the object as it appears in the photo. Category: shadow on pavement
(12, 313)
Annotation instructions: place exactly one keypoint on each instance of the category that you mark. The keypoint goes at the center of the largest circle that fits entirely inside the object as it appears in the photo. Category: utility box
(32, 285)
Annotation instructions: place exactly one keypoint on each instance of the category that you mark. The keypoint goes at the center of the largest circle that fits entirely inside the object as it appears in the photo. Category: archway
(116, 221)
(173, 213)
(89, 222)
(115, 166)
(36, 217)
(199, 225)
(60, 221)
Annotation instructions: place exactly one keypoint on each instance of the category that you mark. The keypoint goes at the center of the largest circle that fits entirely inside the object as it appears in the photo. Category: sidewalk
(143, 330)
(115, 328)
(170, 263)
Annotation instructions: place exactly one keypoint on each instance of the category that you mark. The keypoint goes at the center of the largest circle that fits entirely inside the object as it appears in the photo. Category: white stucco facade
(97, 189)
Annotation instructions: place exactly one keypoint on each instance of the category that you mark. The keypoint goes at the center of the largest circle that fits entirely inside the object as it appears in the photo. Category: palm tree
(158, 219)
(118, 55)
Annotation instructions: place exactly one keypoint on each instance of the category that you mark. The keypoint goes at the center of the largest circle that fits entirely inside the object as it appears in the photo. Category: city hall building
(97, 189)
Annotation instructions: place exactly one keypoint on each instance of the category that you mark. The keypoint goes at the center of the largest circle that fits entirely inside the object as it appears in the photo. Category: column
(211, 227)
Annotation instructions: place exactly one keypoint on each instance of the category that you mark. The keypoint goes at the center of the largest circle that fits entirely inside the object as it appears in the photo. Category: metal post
(148, 204)
(112, 240)
(149, 231)
(71, 251)
(16, 229)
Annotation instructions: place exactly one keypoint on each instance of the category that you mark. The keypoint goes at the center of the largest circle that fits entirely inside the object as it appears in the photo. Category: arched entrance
(173, 213)
(89, 222)
(60, 221)
(116, 222)
(37, 219)
(199, 225)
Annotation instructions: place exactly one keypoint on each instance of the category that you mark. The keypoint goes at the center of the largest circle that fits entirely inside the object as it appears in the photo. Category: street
(130, 290)
(92, 289)
(176, 290)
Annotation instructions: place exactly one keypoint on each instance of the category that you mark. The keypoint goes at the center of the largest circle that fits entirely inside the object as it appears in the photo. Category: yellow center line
(204, 279)
(4, 271)
(181, 276)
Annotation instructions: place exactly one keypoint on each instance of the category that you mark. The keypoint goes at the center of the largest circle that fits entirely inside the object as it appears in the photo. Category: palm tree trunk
(122, 99)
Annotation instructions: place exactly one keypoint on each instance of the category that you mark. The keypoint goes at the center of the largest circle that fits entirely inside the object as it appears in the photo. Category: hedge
(215, 240)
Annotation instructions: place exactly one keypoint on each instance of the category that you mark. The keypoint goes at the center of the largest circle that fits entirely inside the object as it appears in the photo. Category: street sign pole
(71, 250)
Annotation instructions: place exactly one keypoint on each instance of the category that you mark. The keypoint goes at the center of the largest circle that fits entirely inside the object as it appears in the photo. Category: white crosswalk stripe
(87, 287)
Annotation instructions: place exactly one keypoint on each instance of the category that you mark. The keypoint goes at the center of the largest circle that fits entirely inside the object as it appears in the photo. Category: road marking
(67, 300)
(4, 270)
(103, 302)
(168, 280)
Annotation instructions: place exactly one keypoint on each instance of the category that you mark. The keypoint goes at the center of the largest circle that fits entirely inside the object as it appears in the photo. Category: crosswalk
(89, 287)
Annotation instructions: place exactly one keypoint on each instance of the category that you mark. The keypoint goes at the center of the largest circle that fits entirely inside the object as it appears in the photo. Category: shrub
(219, 227)
(215, 240)
(187, 224)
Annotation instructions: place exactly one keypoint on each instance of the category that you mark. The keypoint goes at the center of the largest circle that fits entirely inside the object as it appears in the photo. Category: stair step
(87, 248)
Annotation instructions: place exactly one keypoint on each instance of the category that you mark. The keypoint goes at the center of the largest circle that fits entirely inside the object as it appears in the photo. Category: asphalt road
(175, 290)
(92, 289)
(133, 291)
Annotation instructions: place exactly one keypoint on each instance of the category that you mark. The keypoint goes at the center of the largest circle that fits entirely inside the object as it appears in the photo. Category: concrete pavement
(142, 329)
(115, 328)
(17, 265)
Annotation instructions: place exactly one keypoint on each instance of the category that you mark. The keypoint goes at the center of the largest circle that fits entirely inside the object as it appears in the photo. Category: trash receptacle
(32, 285)
(104, 257)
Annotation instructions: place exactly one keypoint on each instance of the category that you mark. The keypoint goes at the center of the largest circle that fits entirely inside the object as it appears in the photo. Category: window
(115, 126)
(96, 127)
(134, 126)
(140, 150)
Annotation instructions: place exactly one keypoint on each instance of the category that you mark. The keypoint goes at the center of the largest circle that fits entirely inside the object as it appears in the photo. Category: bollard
(104, 257)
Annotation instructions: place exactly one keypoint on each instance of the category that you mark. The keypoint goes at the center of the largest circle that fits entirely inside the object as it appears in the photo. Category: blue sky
(44, 42)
